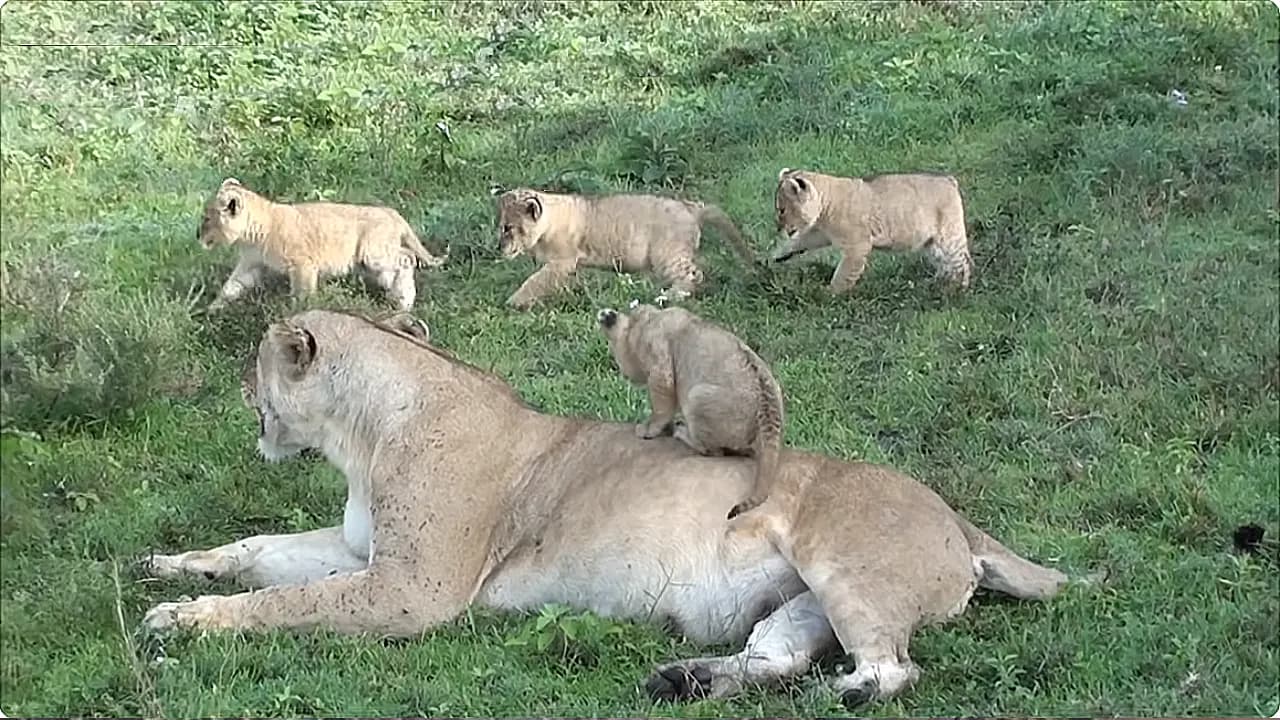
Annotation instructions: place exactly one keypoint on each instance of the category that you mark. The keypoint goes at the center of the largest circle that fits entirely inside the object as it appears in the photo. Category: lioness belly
(645, 539)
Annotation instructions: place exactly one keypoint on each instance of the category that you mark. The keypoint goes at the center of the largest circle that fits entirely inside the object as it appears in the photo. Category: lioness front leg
(264, 560)
(549, 279)
(852, 263)
(377, 600)
(246, 275)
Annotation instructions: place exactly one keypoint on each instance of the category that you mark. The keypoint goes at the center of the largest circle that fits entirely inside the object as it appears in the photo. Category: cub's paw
(647, 433)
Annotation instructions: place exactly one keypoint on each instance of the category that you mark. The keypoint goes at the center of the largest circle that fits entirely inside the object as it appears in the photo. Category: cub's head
(520, 215)
(627, 348)
(224, 215)
(796, 202)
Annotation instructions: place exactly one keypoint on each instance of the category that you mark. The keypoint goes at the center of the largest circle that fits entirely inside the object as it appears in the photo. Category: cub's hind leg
(675, 262)
(949, 255)
(715, 422)
(396, 280)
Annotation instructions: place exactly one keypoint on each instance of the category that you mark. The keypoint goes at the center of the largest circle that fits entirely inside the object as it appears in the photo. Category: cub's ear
(231, 181)
(233, 205)
(797, 184)
(296, 345)
(496, 190)
(783, 173)
(533, 208)
(406, 323)
(607, 318)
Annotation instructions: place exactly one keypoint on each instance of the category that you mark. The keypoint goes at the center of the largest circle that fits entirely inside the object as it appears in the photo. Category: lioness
(308, 241)
(724, 391)
(906, 211)
(629, 233)
(580, 512)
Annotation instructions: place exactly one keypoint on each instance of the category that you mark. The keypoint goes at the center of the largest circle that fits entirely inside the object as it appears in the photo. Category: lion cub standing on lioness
(629, 233)
(906, 211)
(308, 241)
(727, 394)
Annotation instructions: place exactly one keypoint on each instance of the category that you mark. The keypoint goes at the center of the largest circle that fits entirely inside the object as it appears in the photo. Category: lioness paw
(200, 613)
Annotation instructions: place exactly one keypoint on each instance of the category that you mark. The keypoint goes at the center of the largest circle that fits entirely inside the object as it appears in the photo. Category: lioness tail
(1004, 571)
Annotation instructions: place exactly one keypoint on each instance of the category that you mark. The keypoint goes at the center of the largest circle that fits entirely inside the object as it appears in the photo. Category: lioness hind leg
(263, 560)
(781, 645)
(875, 634)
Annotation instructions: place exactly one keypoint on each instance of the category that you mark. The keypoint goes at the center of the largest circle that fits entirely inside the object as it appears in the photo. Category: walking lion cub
(906, 211)
(625, 232)
(309, 241)
(726, 393)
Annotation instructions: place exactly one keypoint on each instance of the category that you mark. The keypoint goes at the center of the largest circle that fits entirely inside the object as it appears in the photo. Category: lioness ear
(297, 345)
(798, 184)
(783, 173)
(231, 181)
(233, 205)
(533, 207)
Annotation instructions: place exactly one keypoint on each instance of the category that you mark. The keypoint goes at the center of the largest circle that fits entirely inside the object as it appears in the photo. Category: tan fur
(628, 233)
(458, 493)
(311, 241)
(725, 392)
(906, 211)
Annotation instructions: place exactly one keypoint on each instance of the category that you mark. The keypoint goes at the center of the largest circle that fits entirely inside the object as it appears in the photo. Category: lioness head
(224, 215)
(519, 219)
(797, 203)
(286, 383)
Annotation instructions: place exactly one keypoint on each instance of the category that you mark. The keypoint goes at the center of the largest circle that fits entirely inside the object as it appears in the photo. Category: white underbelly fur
(713, 593)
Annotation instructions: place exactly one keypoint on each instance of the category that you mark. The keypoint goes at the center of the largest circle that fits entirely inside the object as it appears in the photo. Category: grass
(1107, 396)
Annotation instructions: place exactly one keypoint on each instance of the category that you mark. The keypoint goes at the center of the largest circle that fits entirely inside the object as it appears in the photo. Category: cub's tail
(769, 423)
(409, 240)
(715, 217)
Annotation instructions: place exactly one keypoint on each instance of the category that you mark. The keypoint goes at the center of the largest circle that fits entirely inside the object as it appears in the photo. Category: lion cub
(629, 233)
(727, 394)
(308, 241)
(909, 211)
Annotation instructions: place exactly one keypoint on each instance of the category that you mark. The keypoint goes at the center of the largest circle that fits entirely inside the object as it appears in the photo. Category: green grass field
(1106, 397)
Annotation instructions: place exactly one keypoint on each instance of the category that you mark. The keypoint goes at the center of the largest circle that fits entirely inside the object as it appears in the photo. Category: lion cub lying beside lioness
(901, 211)
(625, 232)
(726, 393)
(308, 241)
